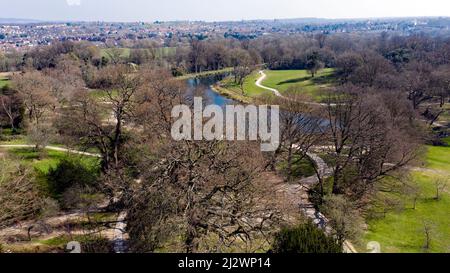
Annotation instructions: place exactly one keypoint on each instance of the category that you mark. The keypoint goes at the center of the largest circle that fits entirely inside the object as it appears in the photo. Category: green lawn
(447, 140)
(48, 159)
(250, 88)
(403, 231)
(282, 80)
(3, 81)
(300, 168)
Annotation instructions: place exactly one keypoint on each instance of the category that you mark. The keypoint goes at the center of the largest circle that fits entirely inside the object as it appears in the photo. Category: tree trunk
(336, 187)
(289, 167)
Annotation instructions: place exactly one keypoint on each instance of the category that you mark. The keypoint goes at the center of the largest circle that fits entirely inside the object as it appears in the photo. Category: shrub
(306, 238)
(68, 174)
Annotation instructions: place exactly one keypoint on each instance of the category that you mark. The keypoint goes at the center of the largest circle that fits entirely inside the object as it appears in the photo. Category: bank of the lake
(205, 74)
(280, 80)
(230, 94)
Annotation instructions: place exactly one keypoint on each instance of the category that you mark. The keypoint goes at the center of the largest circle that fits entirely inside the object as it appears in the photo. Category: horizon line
(30, 20)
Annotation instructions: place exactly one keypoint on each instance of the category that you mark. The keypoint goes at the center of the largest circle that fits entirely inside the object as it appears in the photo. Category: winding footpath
(259, 84)
(278, 94)
(299, 192)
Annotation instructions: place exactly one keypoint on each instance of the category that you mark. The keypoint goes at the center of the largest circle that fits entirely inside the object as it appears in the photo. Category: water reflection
(201, 87)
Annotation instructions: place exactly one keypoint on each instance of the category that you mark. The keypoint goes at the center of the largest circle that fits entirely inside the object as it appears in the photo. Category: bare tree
(417, 83)
(10, 105)
(212, 193)
(428, 230)
(413, 191)
(321, 38)
(300, 129)
(115, 54)
(367, 140)
(34, 90)
(242, 66)
(314, 63)
(440, 186)
(344, 218)
(102, 124)
(197, 55)
(19, 195)
(440, 81)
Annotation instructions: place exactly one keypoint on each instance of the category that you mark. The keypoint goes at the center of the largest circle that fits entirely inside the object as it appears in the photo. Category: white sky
(217, 10)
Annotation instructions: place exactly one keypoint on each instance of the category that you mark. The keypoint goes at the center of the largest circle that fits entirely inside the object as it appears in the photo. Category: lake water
(202, 87)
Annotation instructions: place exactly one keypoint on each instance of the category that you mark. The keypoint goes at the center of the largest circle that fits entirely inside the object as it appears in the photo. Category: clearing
(403, 231)
(282, 80)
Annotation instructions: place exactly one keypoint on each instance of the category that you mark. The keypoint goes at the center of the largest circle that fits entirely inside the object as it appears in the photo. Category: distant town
(18, 34)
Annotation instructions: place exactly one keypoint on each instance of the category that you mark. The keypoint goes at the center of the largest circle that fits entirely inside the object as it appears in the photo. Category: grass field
(250, 88)
(43, 162)
(403, 231)
(3, 81)
(300, 169)
(282, 80)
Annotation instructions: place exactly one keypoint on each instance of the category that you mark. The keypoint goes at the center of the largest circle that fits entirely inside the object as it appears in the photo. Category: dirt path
(259, 84)
(59, 149)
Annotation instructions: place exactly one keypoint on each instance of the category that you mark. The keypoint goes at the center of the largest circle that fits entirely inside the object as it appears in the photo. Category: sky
(216, 10)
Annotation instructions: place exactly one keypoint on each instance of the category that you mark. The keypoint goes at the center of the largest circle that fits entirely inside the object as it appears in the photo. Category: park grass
(4, 81)
(402, 231)
(301, 80)
(438, 158)
(8, 137)
(227, 87)
(282, 80)
(99, 94)
(300, 168)
(43, 161)
(231, 94)
(250, 88)
(446, 140)
(19, 140)
(58, 244)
